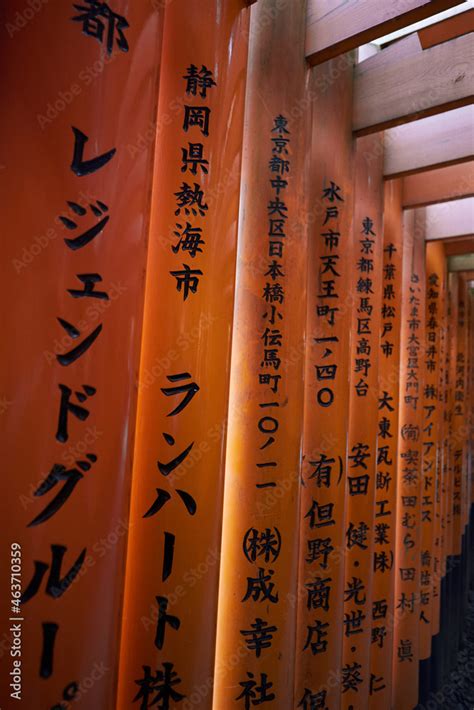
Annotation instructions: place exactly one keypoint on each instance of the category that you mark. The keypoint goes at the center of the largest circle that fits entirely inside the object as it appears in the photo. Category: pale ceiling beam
(441, 185)
(433, 142)
(404, 83)
(334, 27)
(450, 220)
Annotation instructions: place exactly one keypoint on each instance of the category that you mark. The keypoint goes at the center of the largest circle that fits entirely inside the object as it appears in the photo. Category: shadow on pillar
(437, 681)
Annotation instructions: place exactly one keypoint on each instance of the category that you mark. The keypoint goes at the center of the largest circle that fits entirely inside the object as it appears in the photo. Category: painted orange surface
(381, 649)
(170, 603)
(453, 520)
(444, 434)
(466, 426)
(431, 503)
(259, 543)
(56, 76)
(321, 580)
(471, 380)
(409, 467)
(459, 421)
(362, 514)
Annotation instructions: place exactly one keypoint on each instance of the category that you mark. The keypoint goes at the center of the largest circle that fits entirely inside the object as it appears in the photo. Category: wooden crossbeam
(455, 26)
(433, 142)
(442, 185)
(404, 83)
(337, 26)
(450, 219)
(464, 245)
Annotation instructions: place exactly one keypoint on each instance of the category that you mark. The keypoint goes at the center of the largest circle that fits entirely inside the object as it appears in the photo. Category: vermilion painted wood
(325, 427)
(436, 264)
(409, 467)
(190, 338)
(55, 76)
(259, 412)
(432, 483)
(441, 185)
(458, 414)
(381, 650)
(361, 461)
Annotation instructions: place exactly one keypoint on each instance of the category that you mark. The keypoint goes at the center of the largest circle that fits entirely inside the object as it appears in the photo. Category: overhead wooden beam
(404, 83)
(337, 26)
(449, 28)
(464, 245)
(433, 142)
(442, 185)
(450, 219)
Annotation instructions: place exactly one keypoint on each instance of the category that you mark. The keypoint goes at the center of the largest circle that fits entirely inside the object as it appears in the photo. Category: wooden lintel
(334, 27)
(405, 83)
(430, 143)
(435, 186)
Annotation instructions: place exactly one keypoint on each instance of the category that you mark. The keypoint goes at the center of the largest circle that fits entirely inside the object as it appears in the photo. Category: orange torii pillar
(387, 446)
(457, 411)
(409, 467)
(257, 611)
(170, 604)
(459, 459)
(435, 395)
(361, 515)
(75, 212)
(321, 559)
(441, 655)
(453, 522)
(464, 428)
(430, 557)
(470, 493)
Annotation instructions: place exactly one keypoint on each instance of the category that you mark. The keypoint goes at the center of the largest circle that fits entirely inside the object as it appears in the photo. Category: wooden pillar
(453, 527)
(75, 192)
(441, 644)
(433, 408)
(470, 427)
(463, 376)
(170, 604)
(459, 463)
(431, 484)
(360, 515)
(459, 419)
(454, 482)
(387, 446)
(409, 468)
(322, 536)
(257, 614)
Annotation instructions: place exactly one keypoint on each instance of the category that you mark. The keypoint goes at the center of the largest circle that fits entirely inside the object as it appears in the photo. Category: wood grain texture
(441, 185)
(404, 83)
(439, 32)
(451, 219)
(454, 246)
(337, 26)
(432, 142)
